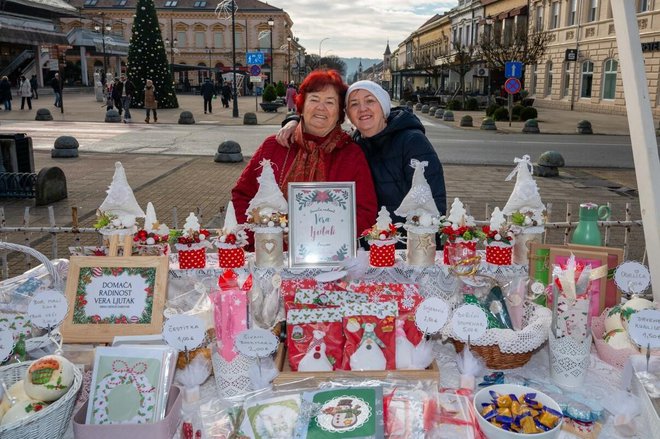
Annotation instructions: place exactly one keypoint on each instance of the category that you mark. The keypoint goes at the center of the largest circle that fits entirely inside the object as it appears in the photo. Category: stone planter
(269, 107)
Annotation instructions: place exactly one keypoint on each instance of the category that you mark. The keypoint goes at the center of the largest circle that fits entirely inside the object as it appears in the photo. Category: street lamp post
(288, 60)
(321, 43)
(209, 50)
(171, 42)
(233, 57)
(271, 24)
(103, 28)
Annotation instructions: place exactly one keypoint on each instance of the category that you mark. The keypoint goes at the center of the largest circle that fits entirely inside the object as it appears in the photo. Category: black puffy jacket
(389, 153)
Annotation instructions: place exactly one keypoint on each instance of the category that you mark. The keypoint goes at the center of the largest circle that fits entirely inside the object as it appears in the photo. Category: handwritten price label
(644, 328)
(6, 344)
(184, 332)
(431, 315)
(632, 277)
(256, 343)
(47, 309)
(469, 321)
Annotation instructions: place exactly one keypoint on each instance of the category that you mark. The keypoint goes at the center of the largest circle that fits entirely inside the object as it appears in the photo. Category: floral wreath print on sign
(114, 296)
(343, 413)
(336, 197)
(124, 375)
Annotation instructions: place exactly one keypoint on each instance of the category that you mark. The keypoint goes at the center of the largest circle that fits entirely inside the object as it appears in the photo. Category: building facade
(580, 69)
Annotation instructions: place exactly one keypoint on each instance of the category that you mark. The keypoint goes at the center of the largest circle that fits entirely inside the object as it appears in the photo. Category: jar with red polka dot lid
(382, 239)
(191, 243)
(231, 241)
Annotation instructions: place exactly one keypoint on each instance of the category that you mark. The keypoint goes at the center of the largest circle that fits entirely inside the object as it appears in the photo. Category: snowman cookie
(22, 410)
(48, 378)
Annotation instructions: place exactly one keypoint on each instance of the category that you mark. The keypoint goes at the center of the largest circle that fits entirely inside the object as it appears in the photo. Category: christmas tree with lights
(147, 58)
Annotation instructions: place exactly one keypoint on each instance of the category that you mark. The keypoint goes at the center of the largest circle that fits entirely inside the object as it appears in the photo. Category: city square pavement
(196, 183)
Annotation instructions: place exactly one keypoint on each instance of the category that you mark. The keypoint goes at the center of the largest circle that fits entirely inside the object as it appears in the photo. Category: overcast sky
(357, 28)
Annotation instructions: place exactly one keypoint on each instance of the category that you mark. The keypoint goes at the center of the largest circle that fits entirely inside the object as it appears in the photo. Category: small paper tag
(537, 288)
(184, 332)
(6, 345)
(469, 321)
(431, 315)
(632, 277)
(47, 309)
(256, 342)
(644, 328)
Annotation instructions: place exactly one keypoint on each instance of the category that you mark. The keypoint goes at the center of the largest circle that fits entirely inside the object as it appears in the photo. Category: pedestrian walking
(35, 85)
(26, 93)
(127, 91)
(226, 94)
(208, 93)
(291, 94)
(107, 92)
(56, 85)
(115, 92)
(5, 92)
(150, 101)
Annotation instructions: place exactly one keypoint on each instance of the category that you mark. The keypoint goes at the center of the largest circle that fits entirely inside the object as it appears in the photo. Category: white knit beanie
(376, 90)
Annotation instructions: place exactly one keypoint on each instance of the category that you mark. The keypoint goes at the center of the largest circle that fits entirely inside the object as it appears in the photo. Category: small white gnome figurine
(266, 214)
(151, 224)
(231, 241)
(369, 355)
(422, 219)
(525, 210)
(316, 360)
(119, 211)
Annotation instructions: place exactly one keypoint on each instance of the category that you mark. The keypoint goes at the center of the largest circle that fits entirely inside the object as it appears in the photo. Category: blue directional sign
(513, 69)
(255, 58)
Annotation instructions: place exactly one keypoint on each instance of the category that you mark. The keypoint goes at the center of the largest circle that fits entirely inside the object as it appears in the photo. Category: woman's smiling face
(365, 112)
(321, 111)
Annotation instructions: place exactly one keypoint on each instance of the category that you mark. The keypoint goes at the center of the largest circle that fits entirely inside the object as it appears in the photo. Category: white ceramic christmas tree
(497, 219)
(458, 215)
(191, 225)
(120, 203)
(269, 198)
(419, 201)
(384, 219)
(525, 196)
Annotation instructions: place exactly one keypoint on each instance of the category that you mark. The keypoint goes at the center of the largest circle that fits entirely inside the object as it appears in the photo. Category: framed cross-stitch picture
(322, 230)
(110, 296)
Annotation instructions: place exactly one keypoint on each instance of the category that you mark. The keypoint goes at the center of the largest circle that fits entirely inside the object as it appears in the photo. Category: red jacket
(346, 163)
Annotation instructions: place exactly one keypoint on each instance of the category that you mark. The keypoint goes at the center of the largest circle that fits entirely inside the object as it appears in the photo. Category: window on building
(200, 39)
(218, 39)
(554, 16)
(507, 34)
(587, 79)
(264, 39)
(240, 39)
(534, 80)
(548, 78)
(468, 36)
(567, 80)
(91, 2)
(572, 10)
(609, 79)
(121, 3)
(182, 41)
(643, 5)
(539, 18)
(199, 4)
(476, 33)
(592, 12)
(171, 3)
(460, 35)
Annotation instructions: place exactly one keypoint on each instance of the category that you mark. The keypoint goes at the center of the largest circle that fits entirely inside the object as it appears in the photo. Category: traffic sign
(513, 69)
(512, 86)
(255, 70)
(255, 58)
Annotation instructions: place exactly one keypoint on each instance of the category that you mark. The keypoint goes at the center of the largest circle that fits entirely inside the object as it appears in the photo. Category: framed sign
(321, 223)
(113, 295)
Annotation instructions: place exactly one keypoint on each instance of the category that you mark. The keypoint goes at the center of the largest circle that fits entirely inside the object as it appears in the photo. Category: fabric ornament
(369, 354)
(269, 197)
(525, 196)
(419, 200)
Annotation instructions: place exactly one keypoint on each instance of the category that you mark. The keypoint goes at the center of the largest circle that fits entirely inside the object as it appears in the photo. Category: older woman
(320, 150)
(150, 102)
(389, 138)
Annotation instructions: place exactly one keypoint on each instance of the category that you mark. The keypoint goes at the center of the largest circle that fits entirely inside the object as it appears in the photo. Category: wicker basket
(51, 422)
(54, 275)
(530, 338)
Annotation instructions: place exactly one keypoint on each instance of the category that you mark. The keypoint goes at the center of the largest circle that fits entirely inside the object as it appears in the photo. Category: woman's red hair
(317, 81)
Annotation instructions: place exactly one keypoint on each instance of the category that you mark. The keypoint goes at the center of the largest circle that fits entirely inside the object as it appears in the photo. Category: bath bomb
(632, 306)
(17, 390)
(48, 378)
(22, 410)
(618, 339)
(613, 319)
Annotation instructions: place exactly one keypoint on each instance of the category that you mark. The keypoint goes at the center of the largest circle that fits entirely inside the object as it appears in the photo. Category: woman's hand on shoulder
(285, 134)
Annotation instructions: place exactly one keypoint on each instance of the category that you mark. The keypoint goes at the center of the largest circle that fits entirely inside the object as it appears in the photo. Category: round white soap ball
(17, 391)
(618, 339)
(22, 410)
(613, 319)
(632, 306)
(425, 220)
(49, 378)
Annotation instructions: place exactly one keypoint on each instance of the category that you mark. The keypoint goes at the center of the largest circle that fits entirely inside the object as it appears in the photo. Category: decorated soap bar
(49, 378)
(17, 391)
(22, 410)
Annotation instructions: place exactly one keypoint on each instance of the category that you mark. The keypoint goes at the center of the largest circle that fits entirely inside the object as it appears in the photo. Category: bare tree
(314, 62)
(528, 48)
(461, 61)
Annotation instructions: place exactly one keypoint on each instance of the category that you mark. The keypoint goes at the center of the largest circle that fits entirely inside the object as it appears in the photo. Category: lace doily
(536, 322)
(231, 377)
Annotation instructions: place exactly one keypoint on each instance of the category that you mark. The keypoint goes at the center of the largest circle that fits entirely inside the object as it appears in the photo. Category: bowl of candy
(508, 411)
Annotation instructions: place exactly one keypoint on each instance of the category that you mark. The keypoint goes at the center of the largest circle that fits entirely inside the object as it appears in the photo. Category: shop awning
(114, 45)
(18, 29)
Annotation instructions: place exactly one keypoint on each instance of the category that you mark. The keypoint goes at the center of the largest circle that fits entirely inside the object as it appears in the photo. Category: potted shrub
(268, 103)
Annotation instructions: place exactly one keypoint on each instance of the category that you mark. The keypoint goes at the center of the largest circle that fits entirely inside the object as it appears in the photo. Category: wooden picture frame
(322, 223)
(113, 295)
(598, 287)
